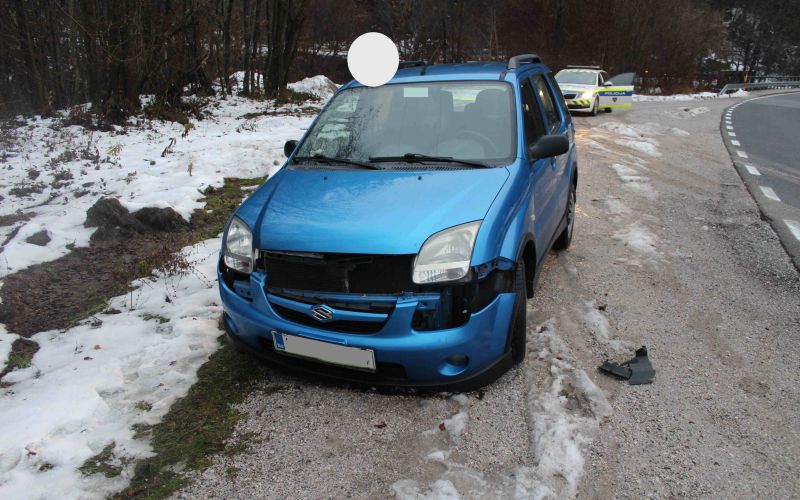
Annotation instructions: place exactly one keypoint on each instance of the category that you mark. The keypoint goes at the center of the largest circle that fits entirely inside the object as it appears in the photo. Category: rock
(112, 220)
(160, 219)
(41, 239)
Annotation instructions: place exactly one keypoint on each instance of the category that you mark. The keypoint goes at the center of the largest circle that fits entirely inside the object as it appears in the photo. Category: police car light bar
(570, 66)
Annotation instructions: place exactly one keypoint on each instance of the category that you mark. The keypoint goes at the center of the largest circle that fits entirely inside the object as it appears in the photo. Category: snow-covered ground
(688, 97)
(87, 386)
(55, 173)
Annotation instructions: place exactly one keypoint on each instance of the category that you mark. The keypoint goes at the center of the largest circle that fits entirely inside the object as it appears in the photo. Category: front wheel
(596, 106)
(565, 238)
(519, 321)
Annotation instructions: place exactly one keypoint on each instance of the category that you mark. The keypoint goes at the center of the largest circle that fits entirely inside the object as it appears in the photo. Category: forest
(59, 53)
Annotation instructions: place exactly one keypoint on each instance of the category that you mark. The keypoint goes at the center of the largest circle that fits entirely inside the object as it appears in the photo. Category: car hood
(576, 87)
(377, 212)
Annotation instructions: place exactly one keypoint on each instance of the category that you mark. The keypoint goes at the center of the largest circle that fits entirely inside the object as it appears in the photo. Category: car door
(542, 178)
(555, 123)
(618, 91)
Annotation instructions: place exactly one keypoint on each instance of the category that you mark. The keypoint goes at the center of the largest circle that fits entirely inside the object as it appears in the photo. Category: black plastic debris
(636, 371)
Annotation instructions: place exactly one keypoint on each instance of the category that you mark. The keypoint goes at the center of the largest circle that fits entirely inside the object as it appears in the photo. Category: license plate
(352, 357)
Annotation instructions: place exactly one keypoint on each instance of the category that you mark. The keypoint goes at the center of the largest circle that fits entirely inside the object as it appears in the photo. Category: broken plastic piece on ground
(636, 371)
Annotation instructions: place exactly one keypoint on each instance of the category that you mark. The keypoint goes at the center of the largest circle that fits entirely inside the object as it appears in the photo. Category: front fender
(509, 221)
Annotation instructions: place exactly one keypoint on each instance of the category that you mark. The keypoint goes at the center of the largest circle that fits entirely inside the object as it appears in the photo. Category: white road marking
(769, 193)
(794, 227)
(752, 170)
(735, 142)
(732, 134)
(741, 154)
(729, 127)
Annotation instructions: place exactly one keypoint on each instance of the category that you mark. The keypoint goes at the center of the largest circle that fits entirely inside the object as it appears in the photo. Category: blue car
(401, 240)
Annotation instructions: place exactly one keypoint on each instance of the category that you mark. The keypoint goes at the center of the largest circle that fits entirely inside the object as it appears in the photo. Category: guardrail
(763, 83)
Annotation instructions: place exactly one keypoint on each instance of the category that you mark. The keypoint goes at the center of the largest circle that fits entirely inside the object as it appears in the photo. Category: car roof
(582, 70)
(458, 71)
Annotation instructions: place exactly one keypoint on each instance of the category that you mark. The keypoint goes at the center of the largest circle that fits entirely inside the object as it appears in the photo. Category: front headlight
(446, 255)
(587, 95)
(239, 246)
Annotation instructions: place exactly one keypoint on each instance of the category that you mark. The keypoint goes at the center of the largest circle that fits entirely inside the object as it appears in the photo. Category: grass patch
(220, 204)
(104, 463)
(22, 351)
(197, 426)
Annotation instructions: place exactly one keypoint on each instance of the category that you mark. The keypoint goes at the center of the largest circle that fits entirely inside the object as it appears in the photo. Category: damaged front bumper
(404, 330)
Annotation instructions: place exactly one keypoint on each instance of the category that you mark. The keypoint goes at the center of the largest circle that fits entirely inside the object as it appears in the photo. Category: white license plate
(353, 357)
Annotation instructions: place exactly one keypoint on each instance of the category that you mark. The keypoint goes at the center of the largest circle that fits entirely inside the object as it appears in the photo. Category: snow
(646, 147)
(688, 97)
(319, 86)
(440, 489)
(74, 167)
(634, 181)
(639, 238)
(88, 385)
(81, 391)
(566, 414)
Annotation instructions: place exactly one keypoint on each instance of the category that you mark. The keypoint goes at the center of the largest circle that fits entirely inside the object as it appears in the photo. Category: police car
(589, 88)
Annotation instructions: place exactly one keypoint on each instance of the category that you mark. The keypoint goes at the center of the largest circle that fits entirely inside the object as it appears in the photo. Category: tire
(565, 238)
(519, 322)
(607, 110)
(596, 106)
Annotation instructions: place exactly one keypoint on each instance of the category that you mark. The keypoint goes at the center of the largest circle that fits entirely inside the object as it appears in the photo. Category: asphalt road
(670, 251)
(767, 131)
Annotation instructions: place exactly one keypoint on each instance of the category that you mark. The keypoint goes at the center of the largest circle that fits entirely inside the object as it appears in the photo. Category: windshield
(460, 120)
(577, 77)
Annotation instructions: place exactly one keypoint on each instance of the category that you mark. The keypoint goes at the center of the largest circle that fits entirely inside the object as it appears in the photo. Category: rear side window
(534, 125)
(549, 102)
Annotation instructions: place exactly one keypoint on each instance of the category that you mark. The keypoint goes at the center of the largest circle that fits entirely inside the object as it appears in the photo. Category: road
(766, 129)
(671, 252)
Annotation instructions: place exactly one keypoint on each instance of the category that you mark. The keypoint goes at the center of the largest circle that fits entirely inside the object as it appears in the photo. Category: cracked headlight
(446, 255)
(239, 246)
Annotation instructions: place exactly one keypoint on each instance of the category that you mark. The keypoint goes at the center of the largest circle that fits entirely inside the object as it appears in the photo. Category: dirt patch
(11, 219)
(56, 294)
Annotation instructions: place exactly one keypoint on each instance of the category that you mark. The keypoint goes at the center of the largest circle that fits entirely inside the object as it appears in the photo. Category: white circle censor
(373, 59)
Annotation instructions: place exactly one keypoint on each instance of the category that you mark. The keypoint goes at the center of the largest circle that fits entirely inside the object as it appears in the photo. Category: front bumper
(579, 104)
(404, 357)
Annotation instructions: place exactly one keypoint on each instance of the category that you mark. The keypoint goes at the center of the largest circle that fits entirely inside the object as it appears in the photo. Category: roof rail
(411, 64)
(577, 66)
(517, 61)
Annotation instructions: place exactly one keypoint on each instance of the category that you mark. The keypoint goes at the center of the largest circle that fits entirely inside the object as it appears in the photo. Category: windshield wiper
(331, 159)
(418, 158)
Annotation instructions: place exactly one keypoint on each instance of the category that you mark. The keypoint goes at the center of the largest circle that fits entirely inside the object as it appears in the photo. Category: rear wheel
(596, 106)
(607, 110)
(565, 238)
(519, 322)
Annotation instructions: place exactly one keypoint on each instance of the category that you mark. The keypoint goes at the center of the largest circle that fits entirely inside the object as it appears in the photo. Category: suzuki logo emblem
(322, 313)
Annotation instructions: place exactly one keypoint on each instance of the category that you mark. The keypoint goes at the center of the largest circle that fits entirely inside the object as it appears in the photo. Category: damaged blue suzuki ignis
(401, 240)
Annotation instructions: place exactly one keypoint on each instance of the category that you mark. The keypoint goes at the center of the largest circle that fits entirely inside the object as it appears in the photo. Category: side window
(554, 85)
(534, 126)
(549, 103)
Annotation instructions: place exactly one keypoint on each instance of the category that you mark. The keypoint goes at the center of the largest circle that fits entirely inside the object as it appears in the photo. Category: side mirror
(288, 148)
(607, 84)
(548, 146)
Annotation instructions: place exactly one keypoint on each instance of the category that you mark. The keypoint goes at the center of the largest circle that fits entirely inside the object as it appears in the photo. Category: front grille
(356, 327)
(346, 273)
